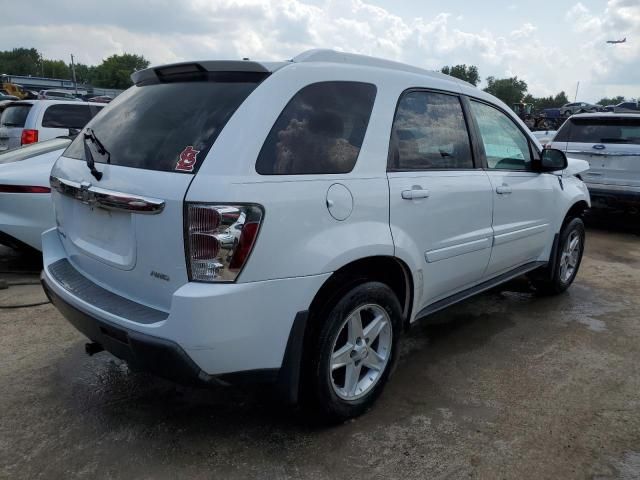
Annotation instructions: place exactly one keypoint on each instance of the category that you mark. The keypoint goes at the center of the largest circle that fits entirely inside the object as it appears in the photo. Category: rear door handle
(415, 194)
(503, 190)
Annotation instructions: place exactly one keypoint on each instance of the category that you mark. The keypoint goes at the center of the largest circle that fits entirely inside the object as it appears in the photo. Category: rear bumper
(156, 355)
(614, 196)
(229, 333)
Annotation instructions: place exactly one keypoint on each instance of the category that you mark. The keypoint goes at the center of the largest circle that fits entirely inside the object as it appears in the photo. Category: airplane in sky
(617, 41)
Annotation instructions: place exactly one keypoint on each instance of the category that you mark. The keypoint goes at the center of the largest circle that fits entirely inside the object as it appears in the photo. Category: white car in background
(32, 121)
(57, 95)
(544, 136)
(25, 198)
(610, 142)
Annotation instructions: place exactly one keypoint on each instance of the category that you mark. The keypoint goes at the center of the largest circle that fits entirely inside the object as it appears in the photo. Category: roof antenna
(245, 58)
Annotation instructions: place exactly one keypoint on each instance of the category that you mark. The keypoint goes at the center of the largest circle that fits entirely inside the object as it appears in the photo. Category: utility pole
(73, 71)
(575, 99)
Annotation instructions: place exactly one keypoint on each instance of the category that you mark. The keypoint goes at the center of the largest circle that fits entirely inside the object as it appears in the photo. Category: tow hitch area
(92, 348)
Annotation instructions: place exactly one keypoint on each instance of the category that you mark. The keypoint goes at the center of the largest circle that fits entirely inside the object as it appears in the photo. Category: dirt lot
(506, 385)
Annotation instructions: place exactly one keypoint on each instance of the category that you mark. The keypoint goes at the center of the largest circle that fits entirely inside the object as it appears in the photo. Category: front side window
(505, 146)
(69, 116)
(429, 133)
(320, 131)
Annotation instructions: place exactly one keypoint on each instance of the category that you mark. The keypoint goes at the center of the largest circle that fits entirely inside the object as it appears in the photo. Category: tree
(463, 72)
(611, 101)
(84, 73)
(20, 61)
(509, 90)
(115, 71)
(540, 103)
(55, 69)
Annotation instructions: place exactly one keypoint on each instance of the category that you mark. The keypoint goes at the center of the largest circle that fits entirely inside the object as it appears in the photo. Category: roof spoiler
(187, 68)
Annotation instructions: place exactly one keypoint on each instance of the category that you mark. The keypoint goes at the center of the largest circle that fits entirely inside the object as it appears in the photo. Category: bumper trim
(78, 285)
(167, 359)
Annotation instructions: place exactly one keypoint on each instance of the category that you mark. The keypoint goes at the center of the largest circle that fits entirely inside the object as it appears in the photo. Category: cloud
(525, 31)
(164, 31)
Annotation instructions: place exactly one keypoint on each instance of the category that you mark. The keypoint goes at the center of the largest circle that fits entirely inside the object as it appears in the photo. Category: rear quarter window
(69, 116)
(15, 115)
(320, 131)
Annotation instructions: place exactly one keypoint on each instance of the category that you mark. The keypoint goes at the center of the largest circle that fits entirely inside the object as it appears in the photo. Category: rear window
(319, 131)
(165, 126)
(69, 116)
(15, 115)
(600, 130)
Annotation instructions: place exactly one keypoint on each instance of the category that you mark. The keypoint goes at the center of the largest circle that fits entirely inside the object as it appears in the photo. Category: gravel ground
(505, 385)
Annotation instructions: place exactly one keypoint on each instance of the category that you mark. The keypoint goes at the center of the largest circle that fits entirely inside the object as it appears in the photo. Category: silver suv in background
(569, 109)
(610, 142)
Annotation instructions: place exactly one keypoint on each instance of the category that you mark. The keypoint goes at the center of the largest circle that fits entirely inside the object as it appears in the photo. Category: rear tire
(555, 279)
(354, 352)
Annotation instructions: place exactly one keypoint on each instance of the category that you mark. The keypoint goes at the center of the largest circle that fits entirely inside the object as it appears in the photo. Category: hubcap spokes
(361, 351)
(570, 256)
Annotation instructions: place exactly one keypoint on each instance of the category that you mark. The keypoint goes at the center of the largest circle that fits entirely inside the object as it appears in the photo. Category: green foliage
(540, 103)
(115, 71)
(20, 61)
(509, 90)
(463, 72)
(55, 69)
(611, 101)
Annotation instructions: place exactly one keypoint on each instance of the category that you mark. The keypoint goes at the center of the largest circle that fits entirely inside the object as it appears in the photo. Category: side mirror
(552, 160)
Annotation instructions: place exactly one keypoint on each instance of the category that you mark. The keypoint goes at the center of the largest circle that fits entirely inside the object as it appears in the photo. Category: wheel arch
(389, 270)
(577, 210)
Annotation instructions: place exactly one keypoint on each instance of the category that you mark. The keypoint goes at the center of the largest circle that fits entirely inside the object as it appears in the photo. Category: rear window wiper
(90, 136)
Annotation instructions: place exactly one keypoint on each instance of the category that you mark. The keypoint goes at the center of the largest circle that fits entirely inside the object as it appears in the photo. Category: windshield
(600, 130)
(165, 126)
(15, 115)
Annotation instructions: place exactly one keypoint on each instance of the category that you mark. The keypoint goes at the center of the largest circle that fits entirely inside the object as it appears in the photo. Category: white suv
(32, 121)
(610, 143)
(365, 194)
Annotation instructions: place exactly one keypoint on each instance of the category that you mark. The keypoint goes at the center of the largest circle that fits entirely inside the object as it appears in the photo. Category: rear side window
(505, 146)
(320, 131)
(69, 116)
(166, 126)
(15, 115)
(429, 133)
(600, 130)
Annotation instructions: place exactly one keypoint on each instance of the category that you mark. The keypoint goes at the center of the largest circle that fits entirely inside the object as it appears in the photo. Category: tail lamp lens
(219, 239)
(28, 136)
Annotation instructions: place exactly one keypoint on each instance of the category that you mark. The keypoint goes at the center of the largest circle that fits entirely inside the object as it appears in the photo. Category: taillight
(24, 189)
(29, 136)
(219, 239)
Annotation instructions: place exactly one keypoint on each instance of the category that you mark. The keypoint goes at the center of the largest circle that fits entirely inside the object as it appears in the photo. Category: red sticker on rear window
(187, 159)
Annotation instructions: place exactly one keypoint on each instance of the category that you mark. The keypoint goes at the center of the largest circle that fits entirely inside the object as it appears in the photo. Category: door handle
(415, 194)
(503, 189)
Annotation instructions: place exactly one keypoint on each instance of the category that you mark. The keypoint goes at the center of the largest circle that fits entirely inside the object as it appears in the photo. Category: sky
(551, 44)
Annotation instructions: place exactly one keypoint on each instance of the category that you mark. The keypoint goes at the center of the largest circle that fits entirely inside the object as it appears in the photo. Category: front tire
(555, 279)
(355, 351)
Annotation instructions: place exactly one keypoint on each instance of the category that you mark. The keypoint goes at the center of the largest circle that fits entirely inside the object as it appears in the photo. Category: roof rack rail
(332, 56)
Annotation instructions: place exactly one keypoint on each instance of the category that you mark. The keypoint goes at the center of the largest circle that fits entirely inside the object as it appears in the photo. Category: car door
(523, 202)
(440, 205)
